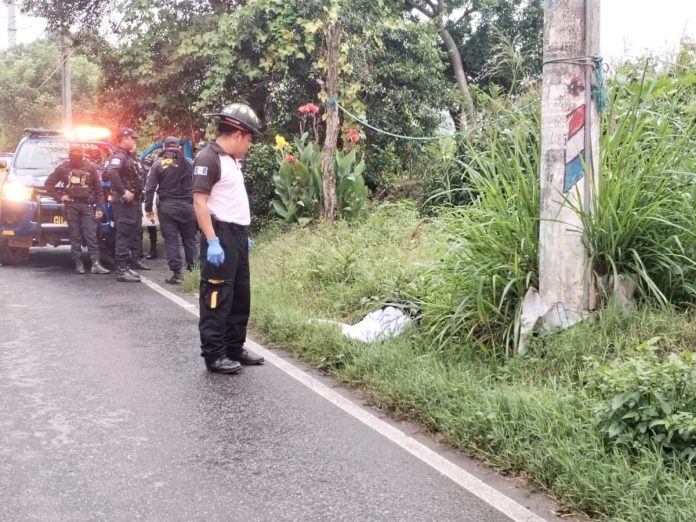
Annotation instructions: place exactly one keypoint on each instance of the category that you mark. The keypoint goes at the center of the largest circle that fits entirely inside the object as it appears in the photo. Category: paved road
(106, 413)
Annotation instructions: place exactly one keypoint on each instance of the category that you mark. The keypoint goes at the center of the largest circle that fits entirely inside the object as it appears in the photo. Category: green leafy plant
(649, 401)
(298, 183)
(351, 191)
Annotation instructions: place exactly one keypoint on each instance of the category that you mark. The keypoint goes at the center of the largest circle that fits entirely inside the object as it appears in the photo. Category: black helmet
(124, 132)
(171, 142)
(239, 116)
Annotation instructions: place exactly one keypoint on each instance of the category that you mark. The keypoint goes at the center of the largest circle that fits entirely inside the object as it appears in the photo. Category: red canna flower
(314, 109)
(304, 109)
(353, 136)
(289, 158)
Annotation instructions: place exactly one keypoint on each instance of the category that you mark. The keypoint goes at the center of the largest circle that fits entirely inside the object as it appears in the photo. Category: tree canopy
(30, 90)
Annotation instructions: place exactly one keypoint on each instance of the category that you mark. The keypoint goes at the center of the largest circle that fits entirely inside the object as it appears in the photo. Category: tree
(437, 11)
(30, 90)
(66, 13)
(467, 30)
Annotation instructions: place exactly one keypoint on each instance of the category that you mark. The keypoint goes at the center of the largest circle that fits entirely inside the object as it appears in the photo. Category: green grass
(468, 269)
(528, 415)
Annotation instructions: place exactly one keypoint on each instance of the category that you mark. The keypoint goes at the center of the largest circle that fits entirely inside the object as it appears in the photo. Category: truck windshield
(41, 157)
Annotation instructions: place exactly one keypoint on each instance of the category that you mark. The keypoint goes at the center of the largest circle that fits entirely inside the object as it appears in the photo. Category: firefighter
(222, 209)
(83, 198)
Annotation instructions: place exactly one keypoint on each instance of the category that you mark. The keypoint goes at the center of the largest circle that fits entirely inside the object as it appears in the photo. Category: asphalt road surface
(107, 413)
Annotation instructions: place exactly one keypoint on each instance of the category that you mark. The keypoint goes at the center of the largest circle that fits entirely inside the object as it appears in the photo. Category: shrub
(445, 183)
(649, 401)
(260, 165)
(382, 169)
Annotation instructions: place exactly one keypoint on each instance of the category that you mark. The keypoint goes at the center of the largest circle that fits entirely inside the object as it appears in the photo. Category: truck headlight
(16, 192)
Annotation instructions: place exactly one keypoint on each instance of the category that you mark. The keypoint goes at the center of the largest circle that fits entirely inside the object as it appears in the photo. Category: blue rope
(599, 93)
(332, 101)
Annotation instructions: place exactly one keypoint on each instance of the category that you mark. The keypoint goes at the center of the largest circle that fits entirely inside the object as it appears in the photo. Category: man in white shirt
(222, 210)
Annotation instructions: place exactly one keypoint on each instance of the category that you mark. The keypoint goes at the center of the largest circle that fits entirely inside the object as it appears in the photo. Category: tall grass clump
(642, 220)
(473, 293)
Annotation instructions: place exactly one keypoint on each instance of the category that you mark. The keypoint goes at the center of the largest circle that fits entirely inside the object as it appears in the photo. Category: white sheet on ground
(376, 326)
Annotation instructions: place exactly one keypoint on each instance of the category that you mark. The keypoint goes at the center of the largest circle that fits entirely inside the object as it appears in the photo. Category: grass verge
(529, 415)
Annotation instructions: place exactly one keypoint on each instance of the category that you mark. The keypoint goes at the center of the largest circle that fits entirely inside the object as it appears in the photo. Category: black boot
(152, 232)
(222, 365)
(125, 275)
(176, 279)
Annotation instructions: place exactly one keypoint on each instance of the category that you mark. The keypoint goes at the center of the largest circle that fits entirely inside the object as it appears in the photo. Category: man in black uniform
(222, 210)
(172, 176)
(127, 189)
(81, 194)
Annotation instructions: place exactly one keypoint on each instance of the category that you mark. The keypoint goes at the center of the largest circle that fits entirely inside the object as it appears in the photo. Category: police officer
(139, 254)
(222, 210)
(171, 176)
(127, 188)
(83, 198)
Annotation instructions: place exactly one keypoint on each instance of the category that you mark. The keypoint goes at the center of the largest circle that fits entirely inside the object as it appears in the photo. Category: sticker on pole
(575, 149)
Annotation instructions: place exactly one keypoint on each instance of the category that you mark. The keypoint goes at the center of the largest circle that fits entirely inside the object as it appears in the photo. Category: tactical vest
(131, 176)
(79, 184)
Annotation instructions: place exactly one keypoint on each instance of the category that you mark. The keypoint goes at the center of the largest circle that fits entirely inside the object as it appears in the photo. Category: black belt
(230, 226)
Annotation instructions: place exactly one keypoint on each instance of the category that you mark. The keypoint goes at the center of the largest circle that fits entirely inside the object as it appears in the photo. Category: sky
(628, 27)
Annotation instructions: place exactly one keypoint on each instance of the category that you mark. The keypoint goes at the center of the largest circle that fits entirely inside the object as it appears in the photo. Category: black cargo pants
(177, 219)
(127, 216)
(225, 294)
(82, 226)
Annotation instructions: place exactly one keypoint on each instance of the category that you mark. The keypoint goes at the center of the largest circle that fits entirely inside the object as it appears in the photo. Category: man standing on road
(81, 194)
(127, 189)
(222, 210)
(171, 176)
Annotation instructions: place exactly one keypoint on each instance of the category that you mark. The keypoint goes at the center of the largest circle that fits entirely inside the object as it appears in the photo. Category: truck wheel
(10, 255)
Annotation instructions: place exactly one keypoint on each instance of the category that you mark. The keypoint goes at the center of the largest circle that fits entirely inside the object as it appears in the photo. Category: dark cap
(171, 141)
(124, 132)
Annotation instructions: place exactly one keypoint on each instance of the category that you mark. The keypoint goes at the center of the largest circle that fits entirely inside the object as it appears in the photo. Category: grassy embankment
(529, 416)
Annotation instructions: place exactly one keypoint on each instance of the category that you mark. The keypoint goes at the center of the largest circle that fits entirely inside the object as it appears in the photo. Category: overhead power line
(66, 56)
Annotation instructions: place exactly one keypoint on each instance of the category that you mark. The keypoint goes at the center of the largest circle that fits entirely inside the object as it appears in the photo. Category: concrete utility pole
(66, 92)
(11, 24)
(569, 166)
(569, 156)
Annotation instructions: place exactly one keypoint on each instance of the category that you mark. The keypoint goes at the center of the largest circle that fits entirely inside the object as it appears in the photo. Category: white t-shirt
(219, 175)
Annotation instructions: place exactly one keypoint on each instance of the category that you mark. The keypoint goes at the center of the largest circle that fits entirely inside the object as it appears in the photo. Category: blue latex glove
(216, 256)
(250, 243)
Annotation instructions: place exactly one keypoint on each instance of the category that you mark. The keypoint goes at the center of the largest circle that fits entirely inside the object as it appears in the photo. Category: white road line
(475, 486)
